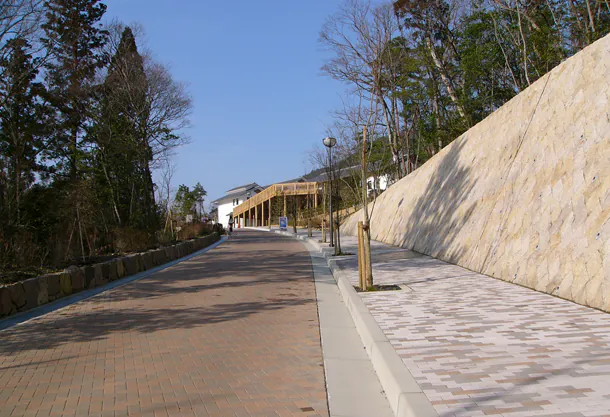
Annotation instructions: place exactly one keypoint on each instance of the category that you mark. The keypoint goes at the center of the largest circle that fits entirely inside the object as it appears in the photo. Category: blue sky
(261, 103)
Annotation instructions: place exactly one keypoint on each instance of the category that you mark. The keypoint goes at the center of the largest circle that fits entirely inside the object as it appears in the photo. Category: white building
(234, 197)
(377, 184)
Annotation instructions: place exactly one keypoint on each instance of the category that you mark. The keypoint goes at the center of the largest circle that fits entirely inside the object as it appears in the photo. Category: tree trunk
(446, 80)
(437, 118)
(525, 69)
(391, 133)
(591, 20)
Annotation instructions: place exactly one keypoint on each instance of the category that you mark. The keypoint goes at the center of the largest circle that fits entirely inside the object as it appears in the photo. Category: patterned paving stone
(479, 346)
(231, 333)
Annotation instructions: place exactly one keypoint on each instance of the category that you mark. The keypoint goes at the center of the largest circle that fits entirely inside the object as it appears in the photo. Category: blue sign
(283, 223)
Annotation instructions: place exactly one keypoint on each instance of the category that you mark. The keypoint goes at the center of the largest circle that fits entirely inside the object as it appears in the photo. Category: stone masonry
(35, 292)
(524, 195)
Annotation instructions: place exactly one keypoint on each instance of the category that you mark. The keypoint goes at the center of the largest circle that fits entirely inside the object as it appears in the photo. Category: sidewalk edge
(402, 390)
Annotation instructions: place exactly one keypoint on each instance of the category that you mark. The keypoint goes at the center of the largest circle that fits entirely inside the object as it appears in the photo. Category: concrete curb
(404, 394)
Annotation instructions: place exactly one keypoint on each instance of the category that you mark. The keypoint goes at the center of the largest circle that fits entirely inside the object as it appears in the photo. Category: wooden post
(299, 213)
(309, 234)
(295, 211)
(361, 280)
(263, 214)
(366, 227)
(368, 269)
(323, 212)
(285, 214)
(255, 215)
(270, 213)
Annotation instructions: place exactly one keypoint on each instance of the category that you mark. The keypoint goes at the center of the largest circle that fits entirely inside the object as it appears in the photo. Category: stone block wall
(34, 292)
(524, 195)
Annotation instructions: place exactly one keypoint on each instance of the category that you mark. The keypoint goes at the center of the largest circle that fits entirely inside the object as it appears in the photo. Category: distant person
(231, 221)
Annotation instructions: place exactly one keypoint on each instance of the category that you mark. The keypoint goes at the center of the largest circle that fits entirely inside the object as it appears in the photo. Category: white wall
(382, 183)
(226, 206)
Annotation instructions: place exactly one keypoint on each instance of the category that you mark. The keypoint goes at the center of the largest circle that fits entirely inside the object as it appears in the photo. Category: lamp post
(329, 143)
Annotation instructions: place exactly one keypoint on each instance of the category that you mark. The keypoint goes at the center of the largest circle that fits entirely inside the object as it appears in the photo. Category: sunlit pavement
(231, 332)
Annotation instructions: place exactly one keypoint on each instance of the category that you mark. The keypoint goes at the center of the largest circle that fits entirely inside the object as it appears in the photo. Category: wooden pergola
(256, 211)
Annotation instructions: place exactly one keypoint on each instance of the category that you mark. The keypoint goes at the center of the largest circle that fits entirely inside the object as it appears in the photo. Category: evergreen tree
(199, 194)
(73, 39)
(21, 127)
(124, 153)
(185, 200)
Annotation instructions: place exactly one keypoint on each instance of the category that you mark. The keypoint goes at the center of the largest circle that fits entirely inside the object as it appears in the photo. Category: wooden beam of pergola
(275, 190)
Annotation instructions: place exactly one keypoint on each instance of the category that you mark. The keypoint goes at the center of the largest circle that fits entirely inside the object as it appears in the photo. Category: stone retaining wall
(524, 195)
(38, 291)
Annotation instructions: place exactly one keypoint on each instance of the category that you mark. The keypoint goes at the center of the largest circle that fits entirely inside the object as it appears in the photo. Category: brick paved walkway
(479, 346)
(233, 332)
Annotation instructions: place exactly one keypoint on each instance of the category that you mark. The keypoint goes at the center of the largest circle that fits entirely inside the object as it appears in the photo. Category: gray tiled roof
(239, 190)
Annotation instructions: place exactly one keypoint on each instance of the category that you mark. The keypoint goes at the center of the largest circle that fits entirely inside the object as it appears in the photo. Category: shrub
(219, 228)
(189, 231)
(127, 239)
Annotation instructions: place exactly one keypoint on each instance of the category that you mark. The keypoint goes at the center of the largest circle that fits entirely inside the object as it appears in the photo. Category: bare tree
(360, 36)
(358, 131)
(19, 18)
(161, 106)
(166, 169)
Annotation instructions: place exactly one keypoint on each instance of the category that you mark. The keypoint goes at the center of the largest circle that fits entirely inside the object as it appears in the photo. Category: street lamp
(329, 143)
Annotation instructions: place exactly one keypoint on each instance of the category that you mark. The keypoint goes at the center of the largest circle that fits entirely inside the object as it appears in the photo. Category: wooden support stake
(323, 212)
(368, 269)
(361, 280)
(309, 234)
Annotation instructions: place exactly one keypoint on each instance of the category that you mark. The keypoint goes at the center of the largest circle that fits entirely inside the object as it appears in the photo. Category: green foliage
(79, 120)
(189, 201)
(73, 41)
(486, 52)
(123, 155)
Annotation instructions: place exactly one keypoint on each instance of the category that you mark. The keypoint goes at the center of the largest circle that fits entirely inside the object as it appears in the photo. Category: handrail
(293, 188)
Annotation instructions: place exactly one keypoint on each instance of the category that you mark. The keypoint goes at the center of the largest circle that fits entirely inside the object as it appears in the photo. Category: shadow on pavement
(224, 268)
